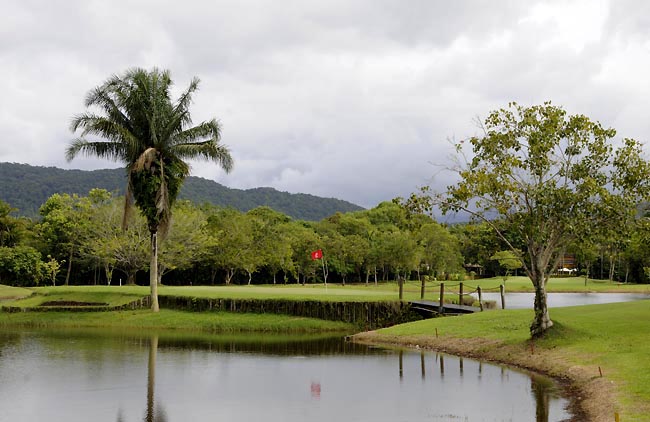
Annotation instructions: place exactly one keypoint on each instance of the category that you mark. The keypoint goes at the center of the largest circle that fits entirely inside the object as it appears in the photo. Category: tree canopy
(141, 126)
(542, 179)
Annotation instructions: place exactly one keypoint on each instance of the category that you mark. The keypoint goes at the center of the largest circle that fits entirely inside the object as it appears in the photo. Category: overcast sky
(349, 99)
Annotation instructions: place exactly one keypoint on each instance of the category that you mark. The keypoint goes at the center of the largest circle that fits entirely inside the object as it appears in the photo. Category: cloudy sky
(354, 99)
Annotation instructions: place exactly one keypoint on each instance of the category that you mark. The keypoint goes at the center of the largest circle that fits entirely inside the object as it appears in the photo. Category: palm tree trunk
(153, 272)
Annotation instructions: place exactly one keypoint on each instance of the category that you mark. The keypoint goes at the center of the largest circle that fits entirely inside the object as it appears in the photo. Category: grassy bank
(8, 292)
(613, 339)
(219, 322)
(333, 292)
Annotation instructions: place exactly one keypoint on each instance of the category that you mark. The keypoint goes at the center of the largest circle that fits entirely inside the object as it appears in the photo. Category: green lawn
(334, 292)
(8, 292)
(220, 322)
(615, 337)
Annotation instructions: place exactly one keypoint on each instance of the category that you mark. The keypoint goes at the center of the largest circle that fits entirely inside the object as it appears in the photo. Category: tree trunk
(542, 320)
(612, 267)
(229, 274)
(250, 277)
(67, 276)
(130, 278)
(153, 272)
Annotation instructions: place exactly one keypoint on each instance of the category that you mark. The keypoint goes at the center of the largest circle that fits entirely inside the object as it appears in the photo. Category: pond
(103, 376)
(556, 300)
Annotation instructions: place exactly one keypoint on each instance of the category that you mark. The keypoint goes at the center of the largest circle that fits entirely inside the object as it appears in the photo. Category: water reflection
(101, 376)
(557, 300)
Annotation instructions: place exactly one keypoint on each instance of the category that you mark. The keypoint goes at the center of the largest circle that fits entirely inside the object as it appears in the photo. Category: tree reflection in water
(154, 411)
(542, 389)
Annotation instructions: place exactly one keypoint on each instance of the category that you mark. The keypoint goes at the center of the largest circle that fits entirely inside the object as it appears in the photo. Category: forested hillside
(27, 187)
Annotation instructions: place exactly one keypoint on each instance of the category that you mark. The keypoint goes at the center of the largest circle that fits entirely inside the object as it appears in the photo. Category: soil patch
(71, 303)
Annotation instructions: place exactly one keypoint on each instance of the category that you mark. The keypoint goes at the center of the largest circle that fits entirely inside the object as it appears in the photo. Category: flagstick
(324, 273)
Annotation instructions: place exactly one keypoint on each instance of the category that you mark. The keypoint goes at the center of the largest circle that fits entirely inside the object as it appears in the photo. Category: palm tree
(139, 125)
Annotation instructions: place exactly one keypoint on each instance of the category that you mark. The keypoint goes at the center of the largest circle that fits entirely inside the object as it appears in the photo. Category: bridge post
(480, 298)
(441, 308)
(422, 288)
(460, 294)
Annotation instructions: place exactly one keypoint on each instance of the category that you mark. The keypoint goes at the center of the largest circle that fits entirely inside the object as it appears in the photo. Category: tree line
(83, 236)
(80, 240)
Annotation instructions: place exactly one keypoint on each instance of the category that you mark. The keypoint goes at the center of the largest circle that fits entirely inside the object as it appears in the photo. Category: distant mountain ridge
(27, 187)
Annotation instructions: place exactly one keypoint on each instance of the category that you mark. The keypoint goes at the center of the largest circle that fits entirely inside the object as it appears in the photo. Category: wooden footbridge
(429, 308)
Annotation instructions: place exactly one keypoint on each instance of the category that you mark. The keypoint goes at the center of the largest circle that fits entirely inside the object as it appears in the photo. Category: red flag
(317, 254)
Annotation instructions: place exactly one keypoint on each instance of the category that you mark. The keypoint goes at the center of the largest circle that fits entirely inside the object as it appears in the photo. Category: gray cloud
(354, 100)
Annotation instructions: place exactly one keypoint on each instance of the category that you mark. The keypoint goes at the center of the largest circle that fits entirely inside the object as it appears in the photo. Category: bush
(20, 266)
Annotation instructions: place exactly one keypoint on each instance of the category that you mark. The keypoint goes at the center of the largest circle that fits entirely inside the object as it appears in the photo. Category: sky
(359, 100)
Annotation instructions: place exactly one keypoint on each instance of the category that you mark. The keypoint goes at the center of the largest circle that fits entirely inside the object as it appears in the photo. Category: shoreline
(590, 396)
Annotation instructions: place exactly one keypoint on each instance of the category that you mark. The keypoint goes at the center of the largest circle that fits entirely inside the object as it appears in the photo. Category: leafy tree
(11, 228)
(187, 242)
(20, 265)
(143, 128)
(233, 242)
(272, 242)
(115, 248)
(440, 249)
(551, 178)
(64, 223)
(400, 252)
(509, 261)
(304, 240)
(51, 268)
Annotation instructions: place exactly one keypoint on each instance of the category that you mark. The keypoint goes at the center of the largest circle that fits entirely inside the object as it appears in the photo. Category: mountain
(27, 187)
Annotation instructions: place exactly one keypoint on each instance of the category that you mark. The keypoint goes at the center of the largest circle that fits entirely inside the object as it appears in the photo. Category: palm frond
(91, 124)
(210, 130)
(180, 116)
(207, 150)
(145, 160)
(109, 101)
(102, 149)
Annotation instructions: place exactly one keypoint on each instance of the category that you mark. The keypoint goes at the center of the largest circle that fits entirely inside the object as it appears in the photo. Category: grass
(215, 322)
(110, 298)
(614, 337)
(384, 291)
(8, 292)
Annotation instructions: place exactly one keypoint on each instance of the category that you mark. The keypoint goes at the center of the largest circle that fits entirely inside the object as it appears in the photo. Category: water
(102, 376)
(556, 300)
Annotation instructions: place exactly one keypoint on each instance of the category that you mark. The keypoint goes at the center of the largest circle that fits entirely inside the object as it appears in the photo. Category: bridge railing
(464, 293)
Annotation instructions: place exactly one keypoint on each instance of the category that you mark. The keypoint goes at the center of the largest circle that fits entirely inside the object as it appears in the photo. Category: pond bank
(166, 319)
(598, 352)
(589, 397)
